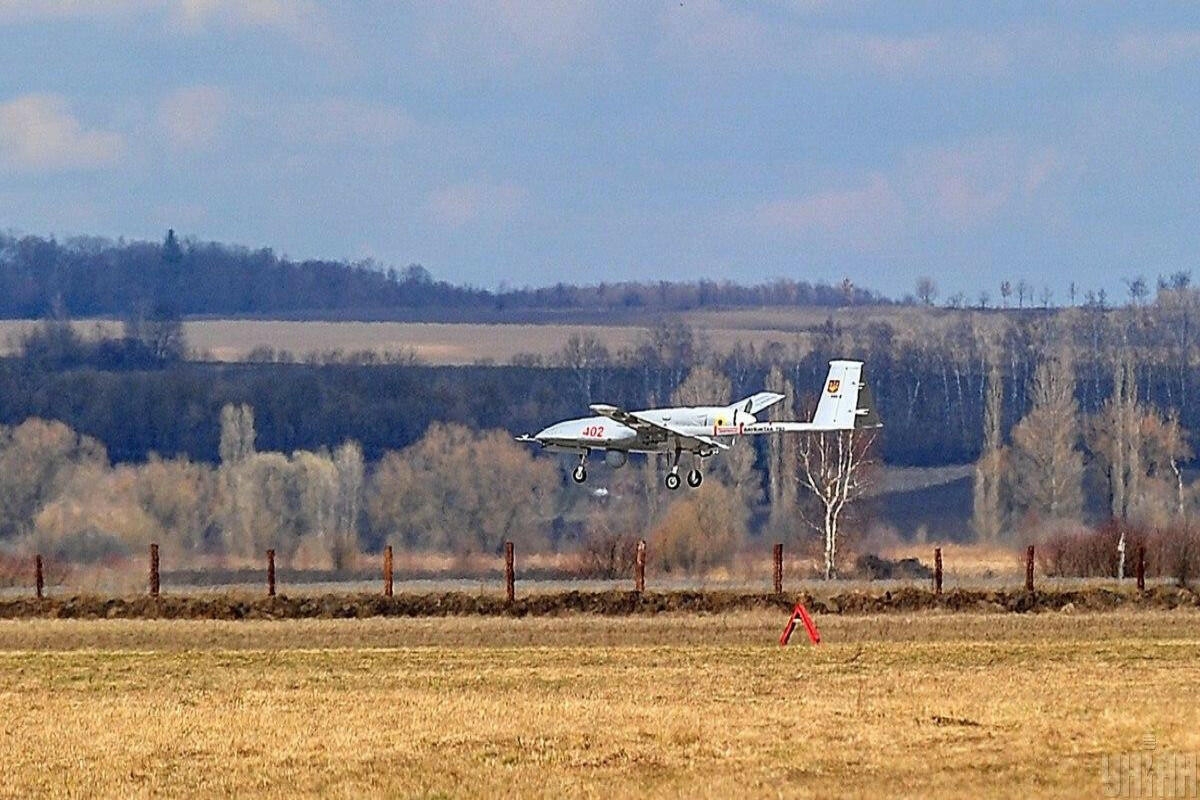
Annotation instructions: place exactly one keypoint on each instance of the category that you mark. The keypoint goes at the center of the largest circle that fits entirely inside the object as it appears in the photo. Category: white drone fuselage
(719, 423)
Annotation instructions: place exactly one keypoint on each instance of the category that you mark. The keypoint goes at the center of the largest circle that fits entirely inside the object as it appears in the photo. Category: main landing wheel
(672, 480)
(695, 478)
(579, 474)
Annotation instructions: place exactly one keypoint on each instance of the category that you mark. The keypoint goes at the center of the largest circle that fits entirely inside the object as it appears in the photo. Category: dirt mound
(348, 606)
(876, 568)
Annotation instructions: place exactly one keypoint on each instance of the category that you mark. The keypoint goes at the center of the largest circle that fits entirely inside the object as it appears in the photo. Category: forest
(91, 276)
(1072, 417)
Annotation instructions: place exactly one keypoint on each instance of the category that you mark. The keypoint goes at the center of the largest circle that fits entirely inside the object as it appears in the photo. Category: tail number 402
(594, 431)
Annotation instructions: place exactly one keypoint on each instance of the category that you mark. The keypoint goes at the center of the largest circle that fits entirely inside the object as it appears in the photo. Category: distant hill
(88, 276)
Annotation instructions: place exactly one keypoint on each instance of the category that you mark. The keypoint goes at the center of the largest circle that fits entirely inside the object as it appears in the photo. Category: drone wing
(640, 424)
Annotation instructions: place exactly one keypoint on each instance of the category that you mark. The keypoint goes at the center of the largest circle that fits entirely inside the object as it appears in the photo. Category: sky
(505, 143)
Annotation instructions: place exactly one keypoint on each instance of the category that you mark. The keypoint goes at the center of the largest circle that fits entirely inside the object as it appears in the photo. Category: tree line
(455, 490)
(930, 374)
(1074, 417)
(92, 276)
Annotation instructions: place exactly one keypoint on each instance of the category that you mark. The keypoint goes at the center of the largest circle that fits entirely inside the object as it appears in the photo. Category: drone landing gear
(672, 479)
(694, 477)
(579, 474)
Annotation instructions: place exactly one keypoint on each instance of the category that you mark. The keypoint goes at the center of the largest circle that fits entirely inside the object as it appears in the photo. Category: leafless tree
(459, 490)
(926, 290)
(348, 464)
(586, 357)
(834, 471)
(1138, 289)
(989, 507)
(1047, 465)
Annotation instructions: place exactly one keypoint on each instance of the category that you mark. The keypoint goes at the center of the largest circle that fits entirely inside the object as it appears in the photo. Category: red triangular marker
(800, 613)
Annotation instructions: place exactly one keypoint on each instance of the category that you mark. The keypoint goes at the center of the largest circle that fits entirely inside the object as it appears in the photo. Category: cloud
(861, 218)
(747, 37)
(38, 133)
(1159, 50)
(343, 122)
(941, 191)
(974, 182)
(303, 20)
(934, 53)
(34, 10)
(461, 204)
(192, 117)
(516, 33)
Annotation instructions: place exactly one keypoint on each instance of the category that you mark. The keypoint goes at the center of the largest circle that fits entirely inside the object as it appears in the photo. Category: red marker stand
(800, 613)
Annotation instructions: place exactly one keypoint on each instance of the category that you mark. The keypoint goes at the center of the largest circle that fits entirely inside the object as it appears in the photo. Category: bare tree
(237, 433)
(1138, 288)
(1113, 437)
(37, 460)
(1005, 292)
(700, 530)
(348, 463)
(459, 490)
(989, 517)
(1124, 450)
(1047, 465)
(703, 387)
(586, 357)
(834, 469)
(926, 290)
(315, 482)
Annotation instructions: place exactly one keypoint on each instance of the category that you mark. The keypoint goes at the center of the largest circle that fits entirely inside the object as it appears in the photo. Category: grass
(432, 342)
(470, 342)
(936, 705)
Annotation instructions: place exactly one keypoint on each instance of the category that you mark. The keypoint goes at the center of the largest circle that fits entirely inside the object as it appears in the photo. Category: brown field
(469, 343)
(680, 705)
(432, 342)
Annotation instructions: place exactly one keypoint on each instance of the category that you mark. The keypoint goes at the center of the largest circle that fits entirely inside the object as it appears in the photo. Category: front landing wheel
(672, 480)
(695, 478)
(579, 474)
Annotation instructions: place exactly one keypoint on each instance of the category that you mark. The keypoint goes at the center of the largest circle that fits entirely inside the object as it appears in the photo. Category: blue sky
(529, 142)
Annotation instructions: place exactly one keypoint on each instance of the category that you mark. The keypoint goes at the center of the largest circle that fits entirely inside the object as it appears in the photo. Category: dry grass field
(469, 343)
(927, 705)
(431, 342)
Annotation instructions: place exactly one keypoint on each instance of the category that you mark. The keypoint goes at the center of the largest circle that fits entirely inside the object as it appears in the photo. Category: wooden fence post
(38, 579)
(271, 572)
(154, 585)
(509, 576)
(1141, 568)
(387, 571)
(778, 572)
(937, 570)
(1029, 569)
(639, 567)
